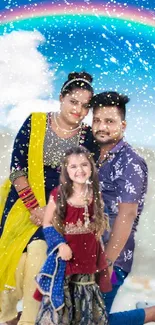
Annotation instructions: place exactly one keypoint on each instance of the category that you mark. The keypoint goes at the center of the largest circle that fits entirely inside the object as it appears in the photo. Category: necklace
(86, 212)
(68, 131)
(56, 146)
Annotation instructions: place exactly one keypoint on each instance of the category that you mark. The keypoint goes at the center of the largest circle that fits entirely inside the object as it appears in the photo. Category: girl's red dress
(88, 252)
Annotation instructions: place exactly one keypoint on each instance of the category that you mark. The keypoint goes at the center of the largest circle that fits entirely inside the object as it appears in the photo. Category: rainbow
(119, 11)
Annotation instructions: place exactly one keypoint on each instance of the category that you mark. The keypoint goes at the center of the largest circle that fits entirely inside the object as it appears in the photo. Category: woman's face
(75, 106)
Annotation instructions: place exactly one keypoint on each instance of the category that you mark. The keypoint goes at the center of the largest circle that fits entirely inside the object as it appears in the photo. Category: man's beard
(103, 142)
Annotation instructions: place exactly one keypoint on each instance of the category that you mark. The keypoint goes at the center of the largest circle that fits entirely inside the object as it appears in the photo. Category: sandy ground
(134, 289)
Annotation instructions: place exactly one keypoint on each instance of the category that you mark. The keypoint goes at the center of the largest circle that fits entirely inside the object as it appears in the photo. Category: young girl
(73, 223)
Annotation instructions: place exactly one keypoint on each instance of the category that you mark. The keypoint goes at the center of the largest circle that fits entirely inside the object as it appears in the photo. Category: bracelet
(109, 262)
(28, 198)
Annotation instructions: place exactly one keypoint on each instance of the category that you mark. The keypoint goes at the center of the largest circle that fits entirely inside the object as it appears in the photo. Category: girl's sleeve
(52, 236)
(54, 194)
(19, 159)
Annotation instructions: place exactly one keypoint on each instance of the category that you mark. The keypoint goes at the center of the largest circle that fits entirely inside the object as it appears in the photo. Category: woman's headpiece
(76, 79)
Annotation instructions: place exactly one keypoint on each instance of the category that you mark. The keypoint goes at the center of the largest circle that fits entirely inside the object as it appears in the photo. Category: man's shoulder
(131, 155)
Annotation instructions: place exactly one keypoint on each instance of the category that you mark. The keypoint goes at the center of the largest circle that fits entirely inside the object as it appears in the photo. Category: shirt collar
(111, 154)
(117, 147)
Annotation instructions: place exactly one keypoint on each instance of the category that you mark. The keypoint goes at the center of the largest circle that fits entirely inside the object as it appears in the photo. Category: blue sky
(119, 55)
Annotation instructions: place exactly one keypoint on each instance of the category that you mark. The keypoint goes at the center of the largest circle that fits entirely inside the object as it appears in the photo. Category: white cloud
(18, 114)
(26, 83)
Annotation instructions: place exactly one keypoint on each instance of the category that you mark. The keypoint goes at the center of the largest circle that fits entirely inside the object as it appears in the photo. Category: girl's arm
(49, 211)
(64, 250)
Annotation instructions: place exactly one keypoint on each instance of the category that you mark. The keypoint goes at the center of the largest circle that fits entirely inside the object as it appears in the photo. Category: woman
(35, 167)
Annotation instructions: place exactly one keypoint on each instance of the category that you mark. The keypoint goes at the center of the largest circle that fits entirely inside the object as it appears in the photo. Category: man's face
(108, 127)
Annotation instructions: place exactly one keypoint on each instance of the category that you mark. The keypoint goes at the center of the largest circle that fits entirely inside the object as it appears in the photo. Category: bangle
(109, 262)
(28, 198)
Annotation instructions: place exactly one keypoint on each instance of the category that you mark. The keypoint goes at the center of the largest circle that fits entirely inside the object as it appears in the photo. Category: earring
(88, 181)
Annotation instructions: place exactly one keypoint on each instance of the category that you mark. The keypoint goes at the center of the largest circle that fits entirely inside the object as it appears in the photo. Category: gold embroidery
(77, 228)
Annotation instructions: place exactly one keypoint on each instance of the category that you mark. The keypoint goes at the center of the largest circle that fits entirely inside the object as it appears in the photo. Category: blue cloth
(50, 279)
(131, 317)
(123, 178)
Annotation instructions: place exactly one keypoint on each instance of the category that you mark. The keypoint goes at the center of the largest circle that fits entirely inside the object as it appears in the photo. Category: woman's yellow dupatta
(4, 191)
(18, 227)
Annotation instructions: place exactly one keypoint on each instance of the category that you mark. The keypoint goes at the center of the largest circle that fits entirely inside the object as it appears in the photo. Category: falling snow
(114, 41)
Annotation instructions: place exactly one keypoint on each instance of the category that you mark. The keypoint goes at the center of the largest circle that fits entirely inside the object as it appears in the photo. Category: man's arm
(121, 230)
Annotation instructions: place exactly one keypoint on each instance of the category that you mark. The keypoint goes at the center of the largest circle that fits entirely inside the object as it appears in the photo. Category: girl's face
(75, 106)
(78, 168)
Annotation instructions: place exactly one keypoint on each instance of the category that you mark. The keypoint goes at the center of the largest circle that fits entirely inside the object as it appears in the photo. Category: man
(123, 177)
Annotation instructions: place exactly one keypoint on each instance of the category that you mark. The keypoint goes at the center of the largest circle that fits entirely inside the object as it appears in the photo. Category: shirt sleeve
(19, 159)
(131, 181)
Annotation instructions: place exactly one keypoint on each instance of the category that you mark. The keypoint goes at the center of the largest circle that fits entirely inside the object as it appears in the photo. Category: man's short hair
(110, 98)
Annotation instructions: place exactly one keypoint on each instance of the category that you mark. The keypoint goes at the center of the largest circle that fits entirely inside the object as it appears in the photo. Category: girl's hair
(77, 80)
(65, 191)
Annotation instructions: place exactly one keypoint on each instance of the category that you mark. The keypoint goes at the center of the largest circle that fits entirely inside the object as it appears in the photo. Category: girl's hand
(65, 252)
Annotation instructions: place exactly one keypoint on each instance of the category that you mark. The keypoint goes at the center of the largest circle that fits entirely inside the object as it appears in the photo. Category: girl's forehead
(77, 157)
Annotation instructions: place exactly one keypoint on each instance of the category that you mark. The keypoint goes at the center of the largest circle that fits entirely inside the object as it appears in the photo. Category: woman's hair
(77, 80)
(65, 191)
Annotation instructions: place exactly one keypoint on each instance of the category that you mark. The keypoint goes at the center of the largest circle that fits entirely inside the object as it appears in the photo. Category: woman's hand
(37, 216)
(65, 252)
